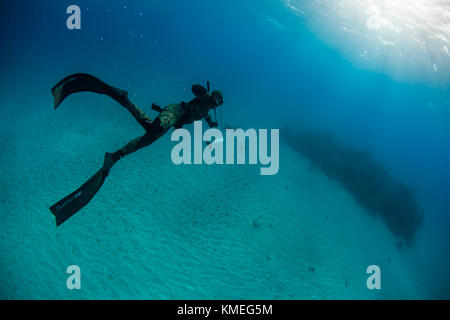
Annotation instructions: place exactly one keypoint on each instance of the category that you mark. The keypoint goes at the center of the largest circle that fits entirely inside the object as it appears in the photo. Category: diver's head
(217, 98)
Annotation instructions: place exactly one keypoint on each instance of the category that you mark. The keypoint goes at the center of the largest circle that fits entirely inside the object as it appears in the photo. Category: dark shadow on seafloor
(362, 176)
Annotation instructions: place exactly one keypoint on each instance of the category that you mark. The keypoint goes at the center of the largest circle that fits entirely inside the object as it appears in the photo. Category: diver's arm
(156, 107)
(211, 123)
(199, 91)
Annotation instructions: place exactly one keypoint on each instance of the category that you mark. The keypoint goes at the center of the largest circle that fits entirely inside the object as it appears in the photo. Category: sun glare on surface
(402, 34)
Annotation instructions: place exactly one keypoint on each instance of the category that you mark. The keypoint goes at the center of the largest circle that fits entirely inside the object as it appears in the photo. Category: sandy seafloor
(160, 231)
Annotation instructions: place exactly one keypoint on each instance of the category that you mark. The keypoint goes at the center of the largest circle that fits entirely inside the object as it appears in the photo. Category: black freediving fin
(67, 207)
(79, 82)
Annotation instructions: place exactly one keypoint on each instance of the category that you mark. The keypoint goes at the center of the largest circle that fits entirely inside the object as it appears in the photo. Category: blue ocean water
(160, 231)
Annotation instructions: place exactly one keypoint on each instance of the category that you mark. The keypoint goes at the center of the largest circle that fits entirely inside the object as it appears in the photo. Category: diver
(174, 115)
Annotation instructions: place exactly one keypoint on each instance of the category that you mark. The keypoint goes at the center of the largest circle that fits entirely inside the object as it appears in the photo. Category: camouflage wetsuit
(174, 115)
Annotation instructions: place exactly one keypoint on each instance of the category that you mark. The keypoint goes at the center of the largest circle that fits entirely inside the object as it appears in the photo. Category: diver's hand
(156, 107)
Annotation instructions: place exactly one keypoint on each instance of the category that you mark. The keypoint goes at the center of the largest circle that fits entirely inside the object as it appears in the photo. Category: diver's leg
(154, 132)
(169, 117)
(136, 144)
(140, 116)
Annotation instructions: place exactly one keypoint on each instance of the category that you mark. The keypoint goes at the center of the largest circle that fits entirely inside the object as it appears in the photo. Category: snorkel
(217, 98)
(208, 88)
